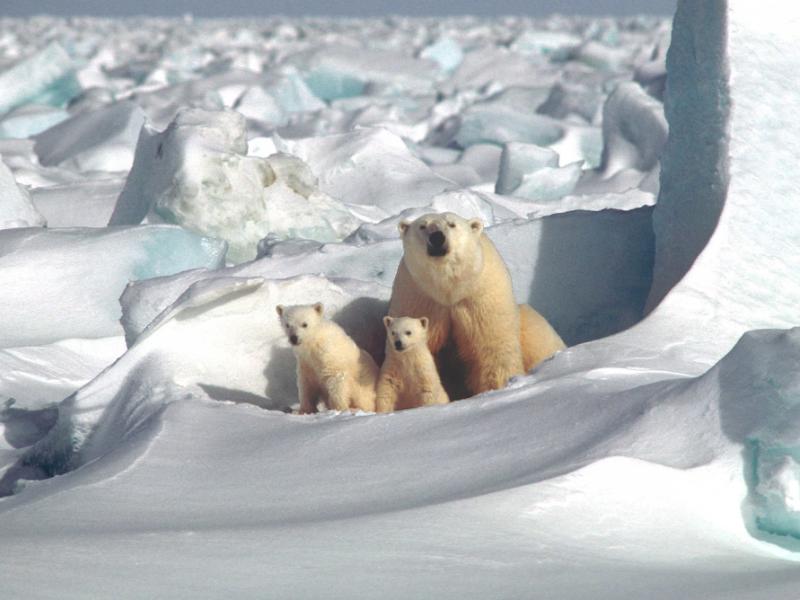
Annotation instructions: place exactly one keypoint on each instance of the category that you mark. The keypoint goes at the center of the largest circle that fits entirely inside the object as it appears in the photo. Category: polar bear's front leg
(339, 390)
(308, 390)
(489, 345)
(386, 395)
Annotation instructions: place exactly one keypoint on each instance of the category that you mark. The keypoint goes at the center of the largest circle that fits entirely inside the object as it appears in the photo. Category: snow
(145, 382)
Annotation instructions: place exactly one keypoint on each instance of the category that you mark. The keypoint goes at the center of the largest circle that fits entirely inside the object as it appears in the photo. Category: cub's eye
(394, 334)
(451, 225)
(408, 333)
(304, 325)
(422, 227)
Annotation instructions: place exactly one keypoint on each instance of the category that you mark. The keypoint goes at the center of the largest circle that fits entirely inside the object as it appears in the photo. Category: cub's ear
(318, 307)
(387, 322)
(476, 225)
(403, 226)
(279, 310)
(424, 322)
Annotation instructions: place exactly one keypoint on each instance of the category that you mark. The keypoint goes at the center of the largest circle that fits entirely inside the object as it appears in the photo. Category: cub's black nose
(436, 239)
(398, 344)
(293, 339)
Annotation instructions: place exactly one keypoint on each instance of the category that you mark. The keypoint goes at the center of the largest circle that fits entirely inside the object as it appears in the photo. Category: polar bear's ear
(403, 226)
(476, 225)
(387, 322)
(318, 308)
(279, 310)
(424, 322)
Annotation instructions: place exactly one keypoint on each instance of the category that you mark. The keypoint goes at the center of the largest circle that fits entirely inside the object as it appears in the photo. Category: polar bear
(330, 366)
(408, 377)
(452, 273)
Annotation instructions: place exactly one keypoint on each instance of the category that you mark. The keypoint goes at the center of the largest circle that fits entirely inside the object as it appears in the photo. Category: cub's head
(299, 321)
(439, 235)
(403, 333)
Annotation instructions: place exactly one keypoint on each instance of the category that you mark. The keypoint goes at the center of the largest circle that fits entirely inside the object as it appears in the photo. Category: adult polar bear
(452, 273)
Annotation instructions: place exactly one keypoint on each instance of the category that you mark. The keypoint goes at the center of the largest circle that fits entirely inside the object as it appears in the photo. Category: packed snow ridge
(165, 184)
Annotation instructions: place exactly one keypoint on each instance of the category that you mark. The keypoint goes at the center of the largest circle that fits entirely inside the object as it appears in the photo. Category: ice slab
(519, 159)
(196, 174)
(45, 77)
(16, 209)
(634, 130)
(30, 119)
(446, 52)
(66, 283)
(87, 203)
(100, 140)
(370, 166)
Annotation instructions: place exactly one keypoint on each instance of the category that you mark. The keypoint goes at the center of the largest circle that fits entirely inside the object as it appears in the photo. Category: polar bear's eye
(304, 325)
(408, 333)
(423, 226)
(451, 225)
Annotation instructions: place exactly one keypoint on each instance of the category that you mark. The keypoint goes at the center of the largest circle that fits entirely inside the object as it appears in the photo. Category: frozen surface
(196, 174)
(102, 260)
(656, 457)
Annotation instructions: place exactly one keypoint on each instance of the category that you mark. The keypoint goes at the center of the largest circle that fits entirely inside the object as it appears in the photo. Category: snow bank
(724, 228)
(39, 299)
(221, 337)
(196, 174)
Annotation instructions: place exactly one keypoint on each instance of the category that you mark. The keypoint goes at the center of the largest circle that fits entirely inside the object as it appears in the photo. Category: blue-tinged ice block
(46, 77)
(446, 52)
(328, 84)
(66, 283)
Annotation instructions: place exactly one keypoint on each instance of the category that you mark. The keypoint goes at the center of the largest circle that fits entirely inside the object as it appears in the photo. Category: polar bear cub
(330, 366)
(408, 377)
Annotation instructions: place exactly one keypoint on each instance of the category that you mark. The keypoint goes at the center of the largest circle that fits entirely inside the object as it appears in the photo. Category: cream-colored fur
(467, 295)
(330, 366)
(408, 377)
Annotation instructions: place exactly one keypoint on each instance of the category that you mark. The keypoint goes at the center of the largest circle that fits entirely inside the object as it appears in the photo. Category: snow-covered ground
(164, 184)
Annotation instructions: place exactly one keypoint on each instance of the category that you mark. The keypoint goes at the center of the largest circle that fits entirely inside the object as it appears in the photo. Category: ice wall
(727, 179)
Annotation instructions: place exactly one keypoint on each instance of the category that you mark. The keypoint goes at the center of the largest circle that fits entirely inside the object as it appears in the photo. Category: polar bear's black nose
(293, 339)
(436, 239)
(398, 345)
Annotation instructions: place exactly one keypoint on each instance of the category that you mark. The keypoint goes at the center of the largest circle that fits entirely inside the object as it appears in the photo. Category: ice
(103, 260)
(446, 52)
(519, 159)
(29, 120)
(555, 45)
(16, 209)
(498, 124)
(100, 140)
(78, 204)
(549, 183)
(369, 166)
(634, 130)
(196, 174)
(45, 77)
